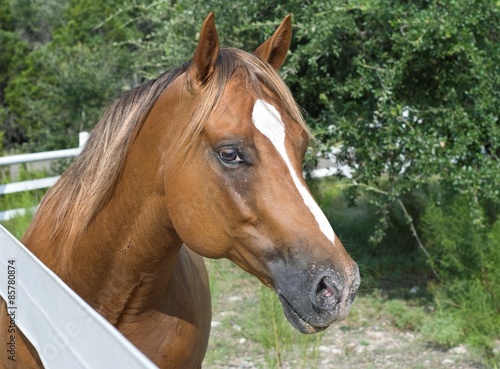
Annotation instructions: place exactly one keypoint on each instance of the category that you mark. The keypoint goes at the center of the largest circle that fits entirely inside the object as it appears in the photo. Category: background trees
(407, 91)
(75, 61)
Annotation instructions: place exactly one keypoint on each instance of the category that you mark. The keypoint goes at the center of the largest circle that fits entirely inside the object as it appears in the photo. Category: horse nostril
(325, 293)
(324, 288)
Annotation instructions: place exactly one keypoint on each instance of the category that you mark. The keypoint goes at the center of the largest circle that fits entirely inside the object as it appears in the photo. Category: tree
(409, 91)
(74, 67)
(12, 51)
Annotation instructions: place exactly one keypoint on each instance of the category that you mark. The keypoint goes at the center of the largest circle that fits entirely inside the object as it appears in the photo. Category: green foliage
(67, 98)
(466, 252)
(405, 316)
(35, 20)
(408, 91)
(393, 261)
(11, 45)
(12, 52)
(174, 28)
(78, 61)
(445, 329)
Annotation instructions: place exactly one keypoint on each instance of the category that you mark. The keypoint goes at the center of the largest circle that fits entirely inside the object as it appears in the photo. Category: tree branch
(415, 235)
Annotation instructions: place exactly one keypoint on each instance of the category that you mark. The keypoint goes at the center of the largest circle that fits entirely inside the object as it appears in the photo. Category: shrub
(465, 248)
(405, 316)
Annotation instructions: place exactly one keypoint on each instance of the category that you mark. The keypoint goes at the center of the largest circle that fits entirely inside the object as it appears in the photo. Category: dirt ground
(367, 339)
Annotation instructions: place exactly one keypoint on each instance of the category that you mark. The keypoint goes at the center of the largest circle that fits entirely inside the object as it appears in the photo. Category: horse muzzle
(315, 299)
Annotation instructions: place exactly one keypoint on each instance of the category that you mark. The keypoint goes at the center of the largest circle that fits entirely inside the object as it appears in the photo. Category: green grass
(404, 315)
(467, 249)
(269, 327)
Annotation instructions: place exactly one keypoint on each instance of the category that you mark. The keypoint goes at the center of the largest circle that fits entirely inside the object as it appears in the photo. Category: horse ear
(203, 62)
(274, 50)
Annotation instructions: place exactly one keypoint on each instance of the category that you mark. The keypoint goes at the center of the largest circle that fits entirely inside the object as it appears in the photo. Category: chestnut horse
(204, 161)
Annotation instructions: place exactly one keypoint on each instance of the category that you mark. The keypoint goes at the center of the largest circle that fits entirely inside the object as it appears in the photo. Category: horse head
(234, 182)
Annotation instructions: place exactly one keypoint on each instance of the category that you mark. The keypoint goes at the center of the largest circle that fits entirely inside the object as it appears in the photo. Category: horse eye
(230, 156)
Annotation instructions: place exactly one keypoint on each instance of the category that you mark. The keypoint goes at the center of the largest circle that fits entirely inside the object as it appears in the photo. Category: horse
(204, 161)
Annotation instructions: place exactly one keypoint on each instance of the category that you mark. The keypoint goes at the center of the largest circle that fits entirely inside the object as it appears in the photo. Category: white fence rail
(39, 156)
(64, 329)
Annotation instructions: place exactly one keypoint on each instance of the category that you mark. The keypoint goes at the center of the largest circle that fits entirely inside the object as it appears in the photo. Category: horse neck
(122, 262)
(124, 259)
(140, 243)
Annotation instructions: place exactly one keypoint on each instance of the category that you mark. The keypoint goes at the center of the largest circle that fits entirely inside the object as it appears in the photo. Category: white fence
(34, 184)
(64, 329)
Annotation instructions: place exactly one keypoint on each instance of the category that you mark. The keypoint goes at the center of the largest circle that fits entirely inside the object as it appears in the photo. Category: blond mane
(90, 181)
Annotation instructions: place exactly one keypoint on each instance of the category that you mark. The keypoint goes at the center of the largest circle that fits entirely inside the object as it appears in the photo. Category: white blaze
(268, 121)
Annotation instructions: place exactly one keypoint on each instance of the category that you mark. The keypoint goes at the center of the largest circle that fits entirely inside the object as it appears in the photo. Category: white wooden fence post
(82, 139)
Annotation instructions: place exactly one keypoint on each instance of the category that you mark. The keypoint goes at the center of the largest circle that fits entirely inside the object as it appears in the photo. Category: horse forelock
(90, 181)
(258, 76)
